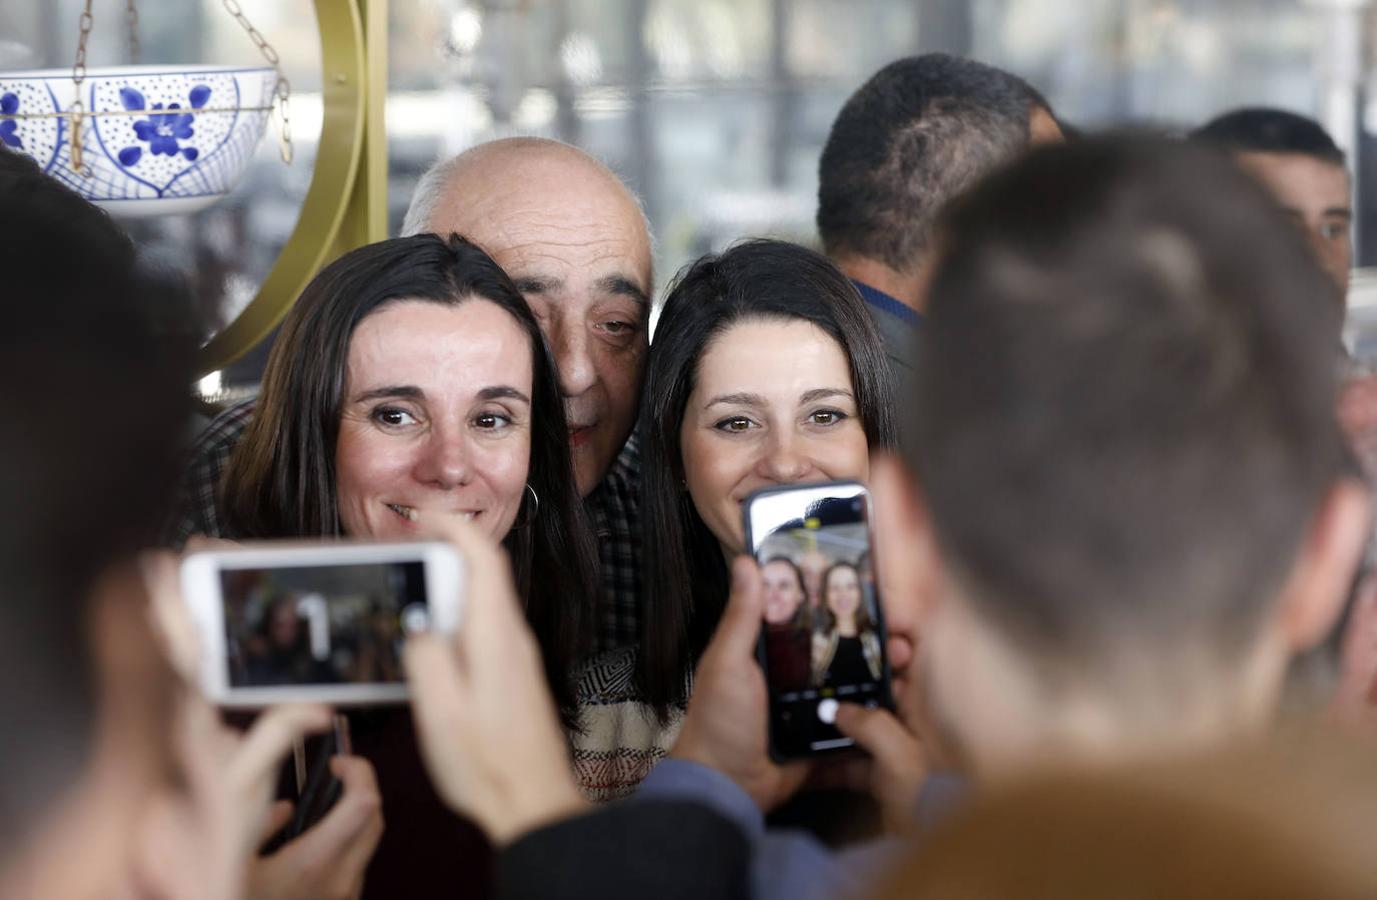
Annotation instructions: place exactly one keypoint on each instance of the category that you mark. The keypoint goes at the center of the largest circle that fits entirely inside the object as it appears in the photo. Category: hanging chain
(132, 16)
(78, 109)
(282, 89)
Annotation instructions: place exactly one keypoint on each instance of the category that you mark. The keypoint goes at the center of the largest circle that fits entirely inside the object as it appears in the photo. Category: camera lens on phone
(415, 618)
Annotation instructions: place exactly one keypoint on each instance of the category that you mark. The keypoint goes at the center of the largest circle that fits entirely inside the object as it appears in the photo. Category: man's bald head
(576, 242)
(506, 159)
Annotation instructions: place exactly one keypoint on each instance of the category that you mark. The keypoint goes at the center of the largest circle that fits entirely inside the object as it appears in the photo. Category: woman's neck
(846, 627)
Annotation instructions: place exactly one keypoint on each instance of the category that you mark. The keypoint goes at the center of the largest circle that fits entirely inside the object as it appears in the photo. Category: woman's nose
(783, 460)
(443, 461)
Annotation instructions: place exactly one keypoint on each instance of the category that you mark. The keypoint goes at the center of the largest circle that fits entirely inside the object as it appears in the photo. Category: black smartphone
(309, 783)
(822, 641)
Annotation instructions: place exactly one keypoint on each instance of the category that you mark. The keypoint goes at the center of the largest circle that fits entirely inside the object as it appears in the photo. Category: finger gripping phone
(822, 638)
(325, 623)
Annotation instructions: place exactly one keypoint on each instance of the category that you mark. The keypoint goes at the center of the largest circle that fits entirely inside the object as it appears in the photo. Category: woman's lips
(580, 435)
(411, 515)
(406, 512)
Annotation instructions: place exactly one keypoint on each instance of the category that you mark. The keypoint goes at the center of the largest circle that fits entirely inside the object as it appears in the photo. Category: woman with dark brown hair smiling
(411, 383)
(411, 380)
(766, 370)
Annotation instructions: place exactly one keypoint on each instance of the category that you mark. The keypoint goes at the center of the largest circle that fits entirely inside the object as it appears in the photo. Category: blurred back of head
(93, 379)
(1124, 420)
(919, 132)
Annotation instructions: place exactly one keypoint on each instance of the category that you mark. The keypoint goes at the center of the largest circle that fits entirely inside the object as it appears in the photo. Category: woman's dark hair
(281, 477)
(803, 613)
(685, 577)
(826, 619)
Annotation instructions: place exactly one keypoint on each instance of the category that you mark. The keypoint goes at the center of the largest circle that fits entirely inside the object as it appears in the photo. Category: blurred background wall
(715, 111)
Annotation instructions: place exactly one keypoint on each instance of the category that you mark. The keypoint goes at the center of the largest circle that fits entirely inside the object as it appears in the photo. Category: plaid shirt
(198, 509)
(613, 507)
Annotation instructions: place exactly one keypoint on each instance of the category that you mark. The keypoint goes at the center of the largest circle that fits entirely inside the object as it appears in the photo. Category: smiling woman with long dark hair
(410, 382)
(410, 378)
(766, 369)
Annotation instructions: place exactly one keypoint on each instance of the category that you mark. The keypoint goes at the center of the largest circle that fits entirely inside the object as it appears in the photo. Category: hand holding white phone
(280, 623)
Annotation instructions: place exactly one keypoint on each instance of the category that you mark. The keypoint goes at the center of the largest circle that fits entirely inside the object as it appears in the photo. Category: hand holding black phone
(317, 789)
(822, 641)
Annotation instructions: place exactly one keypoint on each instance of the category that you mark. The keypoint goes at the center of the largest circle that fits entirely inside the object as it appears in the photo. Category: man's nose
(573, 350)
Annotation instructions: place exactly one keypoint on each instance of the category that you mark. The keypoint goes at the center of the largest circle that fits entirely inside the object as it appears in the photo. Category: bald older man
(576, 243)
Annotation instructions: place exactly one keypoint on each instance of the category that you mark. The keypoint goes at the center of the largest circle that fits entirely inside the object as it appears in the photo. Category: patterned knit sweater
(621, 740)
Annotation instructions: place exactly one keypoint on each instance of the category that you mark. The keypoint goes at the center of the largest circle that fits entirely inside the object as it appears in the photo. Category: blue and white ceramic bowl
(163, 140)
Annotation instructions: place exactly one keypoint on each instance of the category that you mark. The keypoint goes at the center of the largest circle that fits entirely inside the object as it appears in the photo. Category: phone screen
(823, 639)
(321, 624)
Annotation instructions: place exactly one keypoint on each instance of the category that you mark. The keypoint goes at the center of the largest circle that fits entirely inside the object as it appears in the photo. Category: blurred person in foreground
(1122, 511)
(915, 135)
(1238, 823)
(117, 782)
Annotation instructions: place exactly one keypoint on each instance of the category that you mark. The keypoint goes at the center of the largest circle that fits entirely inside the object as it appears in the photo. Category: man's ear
(1323, 573)
(906, 561)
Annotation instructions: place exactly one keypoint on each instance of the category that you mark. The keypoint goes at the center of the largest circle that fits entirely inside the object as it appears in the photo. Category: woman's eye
(490, 421)
(393, 417)
(826, 417)
(734, 424)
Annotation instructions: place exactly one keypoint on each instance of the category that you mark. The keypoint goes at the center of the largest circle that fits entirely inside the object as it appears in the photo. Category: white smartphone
(283, 623)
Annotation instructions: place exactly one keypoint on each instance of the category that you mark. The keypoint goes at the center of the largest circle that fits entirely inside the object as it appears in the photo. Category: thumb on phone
(900, 761)
(739, 628)
(275, 819)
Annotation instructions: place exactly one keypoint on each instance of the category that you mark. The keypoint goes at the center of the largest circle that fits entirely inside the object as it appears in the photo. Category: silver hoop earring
(535, 503)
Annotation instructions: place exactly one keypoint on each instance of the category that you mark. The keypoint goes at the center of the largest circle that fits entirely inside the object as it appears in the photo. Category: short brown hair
(1124, 417)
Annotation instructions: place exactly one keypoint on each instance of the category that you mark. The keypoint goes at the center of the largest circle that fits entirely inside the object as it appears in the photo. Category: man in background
(917, 134)
(1304, 169)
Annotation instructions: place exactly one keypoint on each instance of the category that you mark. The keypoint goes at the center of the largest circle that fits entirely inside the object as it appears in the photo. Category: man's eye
(393, 417)
(735, 424)
(617, 328)
(1333, 231)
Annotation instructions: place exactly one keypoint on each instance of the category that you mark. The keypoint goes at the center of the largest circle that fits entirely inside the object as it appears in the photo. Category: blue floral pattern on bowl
(9, 105)
(162, 131)
(162, 140)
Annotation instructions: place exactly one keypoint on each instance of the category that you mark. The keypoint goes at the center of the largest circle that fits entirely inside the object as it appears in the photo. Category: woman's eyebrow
(412, 392)
(817, 394)
(740, 398)
(503, 392)
(391, 391)
(745, 398)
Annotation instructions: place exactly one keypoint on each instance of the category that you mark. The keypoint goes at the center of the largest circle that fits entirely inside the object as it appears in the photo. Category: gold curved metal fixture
(346, 204)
